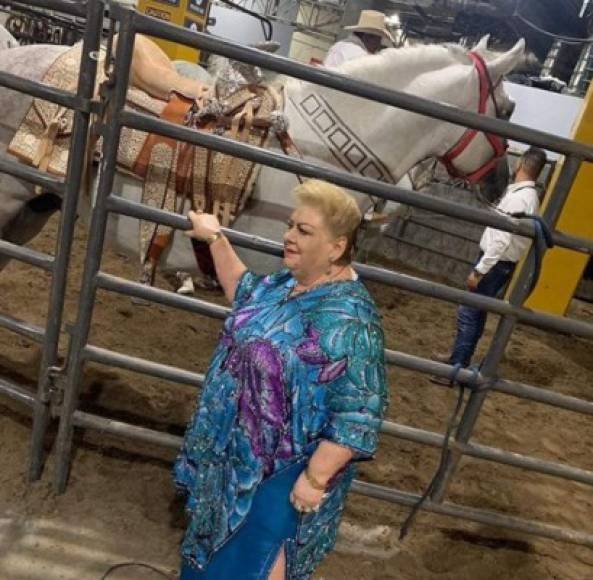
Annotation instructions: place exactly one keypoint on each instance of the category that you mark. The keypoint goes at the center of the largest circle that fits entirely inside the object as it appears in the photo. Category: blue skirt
(251, 552)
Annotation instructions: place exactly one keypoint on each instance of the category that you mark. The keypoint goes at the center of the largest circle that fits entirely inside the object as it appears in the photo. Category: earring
(329, 268)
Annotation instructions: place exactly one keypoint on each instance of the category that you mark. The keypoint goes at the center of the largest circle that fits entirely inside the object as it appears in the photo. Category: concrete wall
(432, 243)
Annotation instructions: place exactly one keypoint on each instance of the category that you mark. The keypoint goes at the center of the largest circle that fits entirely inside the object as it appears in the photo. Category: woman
(294, 393)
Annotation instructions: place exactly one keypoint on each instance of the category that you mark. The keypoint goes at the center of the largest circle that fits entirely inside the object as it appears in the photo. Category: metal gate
(511, 312)
(68, 188)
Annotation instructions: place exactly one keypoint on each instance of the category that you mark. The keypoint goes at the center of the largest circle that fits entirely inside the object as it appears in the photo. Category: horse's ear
(482, 46)
(506, 62)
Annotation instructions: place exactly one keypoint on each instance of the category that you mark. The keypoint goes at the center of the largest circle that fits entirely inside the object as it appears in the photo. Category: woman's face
(309, 247)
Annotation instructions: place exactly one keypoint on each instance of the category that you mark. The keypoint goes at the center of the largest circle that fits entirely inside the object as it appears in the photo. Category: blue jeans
(471, 321)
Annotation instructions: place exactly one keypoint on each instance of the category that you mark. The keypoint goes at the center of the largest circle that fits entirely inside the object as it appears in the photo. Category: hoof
(187, 287)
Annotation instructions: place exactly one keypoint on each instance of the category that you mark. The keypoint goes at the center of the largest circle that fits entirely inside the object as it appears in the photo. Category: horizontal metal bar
(26, 329)
(16, 392)
(402, 281)
(140, 365)
(520, 390)
(121, 429)
(167, 372)
(121, 286)
(486, 517)
(489, 453)
(141, 211)
(325, 77)
(27, 255)
(30, 174)
(351, 181)
(45, 92)
(496, 306)
(74, 7)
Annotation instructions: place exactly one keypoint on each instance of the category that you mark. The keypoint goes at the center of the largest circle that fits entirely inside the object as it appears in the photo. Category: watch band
(314, 483)
(213, 237)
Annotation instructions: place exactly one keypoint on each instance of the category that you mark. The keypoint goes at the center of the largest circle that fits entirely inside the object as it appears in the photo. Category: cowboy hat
(372, 22)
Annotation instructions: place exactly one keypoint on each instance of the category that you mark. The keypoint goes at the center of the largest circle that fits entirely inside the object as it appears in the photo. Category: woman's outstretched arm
(229, 267)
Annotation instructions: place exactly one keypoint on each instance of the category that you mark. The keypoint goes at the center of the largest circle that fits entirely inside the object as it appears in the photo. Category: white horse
(327, 126)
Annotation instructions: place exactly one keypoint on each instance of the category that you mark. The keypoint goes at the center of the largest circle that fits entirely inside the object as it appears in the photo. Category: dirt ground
(120, 502)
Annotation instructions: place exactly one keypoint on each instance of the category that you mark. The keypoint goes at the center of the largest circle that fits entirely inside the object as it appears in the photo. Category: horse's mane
(408, 61)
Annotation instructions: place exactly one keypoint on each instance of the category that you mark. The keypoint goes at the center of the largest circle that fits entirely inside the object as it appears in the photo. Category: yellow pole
(563, 269)
(192, 14)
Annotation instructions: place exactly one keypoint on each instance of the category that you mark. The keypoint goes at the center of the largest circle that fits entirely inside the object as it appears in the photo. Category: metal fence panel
(58, 265)
(80, 351)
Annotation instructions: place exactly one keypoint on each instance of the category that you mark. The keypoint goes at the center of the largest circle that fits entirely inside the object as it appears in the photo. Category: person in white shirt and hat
(368, 36)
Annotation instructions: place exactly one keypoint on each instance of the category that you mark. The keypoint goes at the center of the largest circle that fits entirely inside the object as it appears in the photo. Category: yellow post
(563, 269)
(192, 14)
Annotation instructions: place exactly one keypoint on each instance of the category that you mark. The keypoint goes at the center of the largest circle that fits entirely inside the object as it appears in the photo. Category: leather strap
(175, 112)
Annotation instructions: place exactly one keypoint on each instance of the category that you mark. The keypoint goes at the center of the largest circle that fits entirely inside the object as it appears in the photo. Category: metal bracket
(54, 394)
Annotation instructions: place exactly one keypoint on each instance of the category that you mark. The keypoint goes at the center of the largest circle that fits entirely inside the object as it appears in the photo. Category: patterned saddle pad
(215, 182)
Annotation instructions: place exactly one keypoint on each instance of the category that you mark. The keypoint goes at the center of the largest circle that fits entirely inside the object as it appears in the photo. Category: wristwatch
(213, 237)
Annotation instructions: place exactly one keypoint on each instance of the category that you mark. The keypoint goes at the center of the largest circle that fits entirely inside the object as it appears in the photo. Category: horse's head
(477, 157)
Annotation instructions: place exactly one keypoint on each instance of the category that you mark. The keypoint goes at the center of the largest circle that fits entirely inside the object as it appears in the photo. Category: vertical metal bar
(505, 327)
(80, 332)
(74, 176)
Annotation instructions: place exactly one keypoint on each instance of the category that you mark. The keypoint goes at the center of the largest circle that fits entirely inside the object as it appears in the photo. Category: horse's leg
(153, 72)
(157, 246)
(207, 279)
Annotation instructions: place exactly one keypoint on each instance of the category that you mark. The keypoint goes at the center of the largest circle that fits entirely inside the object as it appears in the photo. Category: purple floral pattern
(263, 404)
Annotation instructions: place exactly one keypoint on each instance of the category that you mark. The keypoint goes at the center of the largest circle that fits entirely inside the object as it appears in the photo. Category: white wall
(544, 110)
(234, 25)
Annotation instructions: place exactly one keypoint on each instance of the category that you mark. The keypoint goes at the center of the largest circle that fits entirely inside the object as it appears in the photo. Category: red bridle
(498, 144)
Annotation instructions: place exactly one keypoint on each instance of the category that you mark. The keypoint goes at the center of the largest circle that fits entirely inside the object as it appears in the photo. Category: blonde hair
(339, 210)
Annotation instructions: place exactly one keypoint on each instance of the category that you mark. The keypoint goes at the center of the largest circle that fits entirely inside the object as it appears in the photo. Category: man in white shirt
(500, 252)
(368, 37)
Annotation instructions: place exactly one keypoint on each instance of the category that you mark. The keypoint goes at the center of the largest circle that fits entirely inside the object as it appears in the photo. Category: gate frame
(512, 312)
(81, 103)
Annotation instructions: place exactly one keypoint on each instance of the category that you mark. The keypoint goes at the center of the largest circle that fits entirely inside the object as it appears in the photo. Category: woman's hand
(304, 497)
(205, 225)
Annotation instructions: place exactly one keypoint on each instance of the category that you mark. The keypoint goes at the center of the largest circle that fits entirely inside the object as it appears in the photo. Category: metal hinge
(54, 394)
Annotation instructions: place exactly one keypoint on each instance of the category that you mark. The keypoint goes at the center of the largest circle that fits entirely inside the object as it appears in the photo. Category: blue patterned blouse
(289, 371)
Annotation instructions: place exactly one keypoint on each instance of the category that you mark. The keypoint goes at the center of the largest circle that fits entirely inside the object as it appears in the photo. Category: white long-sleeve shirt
(504, 246)
(343, 50)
